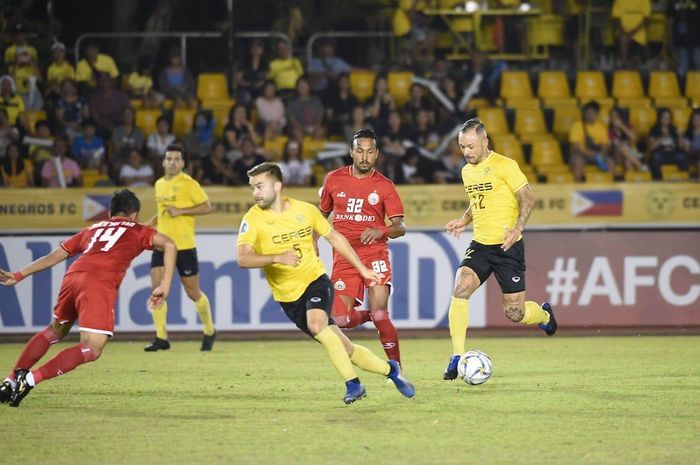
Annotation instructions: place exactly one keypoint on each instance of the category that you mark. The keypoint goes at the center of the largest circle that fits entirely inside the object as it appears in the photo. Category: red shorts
(87, 300)
(347, 280)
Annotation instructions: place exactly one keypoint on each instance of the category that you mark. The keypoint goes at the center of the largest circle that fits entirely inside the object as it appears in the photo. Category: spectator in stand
(339, 103)
(285, 70)
(237, 128)
(682, 18)
(295, 170)
(20, 44)
(107, 106)
(418, 100)
(623, 141)
(452, 163)
(61, 170)
(692, 138)
(8, 133)
(125, 138)
(394, 136)
(588, 142)
(250, 158)
(177, 83)
(12, 103)
(140, 84)
(199, 141)
(448, 119)
(135, 173)
(325, 69)
(27, 77)
(424, 133)
(490, 72)
(59, 70)
(71, 109)
(159, 140)
(358, 120)
(17, 170)
(217, 168)
(415, 168)
(93, 66)
(89, 148)
(381, 103)
(305, 113)
(271, 112)
(665, 146)
(631, 19)
(40, 148)
(251, 74)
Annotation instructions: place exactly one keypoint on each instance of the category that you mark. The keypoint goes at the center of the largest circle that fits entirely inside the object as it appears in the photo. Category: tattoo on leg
(514, 314)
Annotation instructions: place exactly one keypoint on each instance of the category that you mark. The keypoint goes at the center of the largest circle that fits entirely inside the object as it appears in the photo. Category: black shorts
(187, 263)
(509, 267)
(319, 294)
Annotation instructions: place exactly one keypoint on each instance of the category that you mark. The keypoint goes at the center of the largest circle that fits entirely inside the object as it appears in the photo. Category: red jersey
(359, 203)
(108, 247)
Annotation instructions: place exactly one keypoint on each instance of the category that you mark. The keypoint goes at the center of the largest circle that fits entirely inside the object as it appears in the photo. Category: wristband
(18, 276)
(385, 230)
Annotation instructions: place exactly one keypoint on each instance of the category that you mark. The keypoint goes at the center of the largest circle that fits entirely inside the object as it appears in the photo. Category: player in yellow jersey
(500, 202)
(179, 199)
(277, 235)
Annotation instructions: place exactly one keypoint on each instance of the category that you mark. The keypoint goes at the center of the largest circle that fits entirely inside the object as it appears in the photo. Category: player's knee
(513, 313)
(379, 315)
(316, 326)
(91, 352)
(462, 290)
(194, 294)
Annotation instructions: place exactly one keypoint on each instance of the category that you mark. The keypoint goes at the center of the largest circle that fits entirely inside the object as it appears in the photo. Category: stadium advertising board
(427, 207)
(640, 278)
(424, 265)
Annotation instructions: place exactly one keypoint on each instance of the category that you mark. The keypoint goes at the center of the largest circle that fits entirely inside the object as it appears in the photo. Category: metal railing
(332, 34)
(183, 35)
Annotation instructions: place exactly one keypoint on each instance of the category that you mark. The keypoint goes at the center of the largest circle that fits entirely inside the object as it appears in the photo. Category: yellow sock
(159, 317)
(336, 352)
(459, 321)
(534, 314)
(365, 359)
(204, 312)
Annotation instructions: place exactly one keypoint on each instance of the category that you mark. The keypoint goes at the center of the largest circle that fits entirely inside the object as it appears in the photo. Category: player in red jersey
(88, 292)
(360, 198)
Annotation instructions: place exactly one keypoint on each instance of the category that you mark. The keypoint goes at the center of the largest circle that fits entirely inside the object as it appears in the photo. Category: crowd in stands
(93, 124)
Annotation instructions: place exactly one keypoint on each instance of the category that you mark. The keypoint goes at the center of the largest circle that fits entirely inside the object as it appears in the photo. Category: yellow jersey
(60, 72)
(597, 132)
(103, 64)
(631, 13)
(491, 187)
(180, 192)
(272, 233)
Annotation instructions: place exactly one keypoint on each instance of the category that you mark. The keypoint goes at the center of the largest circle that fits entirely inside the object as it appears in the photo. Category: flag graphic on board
(596, 203)
(96, 207)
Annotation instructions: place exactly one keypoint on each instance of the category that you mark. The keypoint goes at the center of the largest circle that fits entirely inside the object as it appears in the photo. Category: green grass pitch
(587, 400)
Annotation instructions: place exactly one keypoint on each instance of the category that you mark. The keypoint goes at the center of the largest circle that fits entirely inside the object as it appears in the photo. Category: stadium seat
(637, 176)
(400, 86)
(681, 117)
(494, 120)
(212, 86)
(33, 116)
(221, 117)
(478, 103)
(275, 147)
(516, 90)
(509, 146)
(692, 87)
(545, 30)
(560, 177)
(664, 89)
(182, 122)
(310, 147)
(590, 85)
(546, 153)
(146, 120)
(564, 117)
(642, 120)
(92, 177)
(598, 178)
(627, 84)
(553, 89)
(529, 124)
(674, 175)
(362, 84)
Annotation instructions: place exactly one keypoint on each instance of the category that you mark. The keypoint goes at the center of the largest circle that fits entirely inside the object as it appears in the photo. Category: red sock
(346, 316)
(387, 334)
(35, 349)
(63, 362)
(357, 318)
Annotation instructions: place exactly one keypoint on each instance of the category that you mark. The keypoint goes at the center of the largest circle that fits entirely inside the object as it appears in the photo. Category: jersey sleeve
(513, 176)
(320, 224)
(326, 204)
(146, 239)
(392, 202)
(197, 194)
(74, 245)
(247, 233)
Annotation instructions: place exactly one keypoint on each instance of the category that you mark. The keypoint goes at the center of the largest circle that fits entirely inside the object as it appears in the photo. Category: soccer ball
(475, 367)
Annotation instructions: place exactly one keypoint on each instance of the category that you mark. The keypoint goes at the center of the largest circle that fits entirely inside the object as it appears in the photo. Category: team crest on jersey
(339, 285)
(373, 198)
(300, 218)
(487, 171)
(244, 227)
(341, 194)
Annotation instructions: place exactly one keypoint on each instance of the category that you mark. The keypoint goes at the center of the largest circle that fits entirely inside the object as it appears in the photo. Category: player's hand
(509, 238)
(374, 277)
(456, 227)
(172, 211)
(371, 235)
(7, 278)
(157, 298)
(289, 257)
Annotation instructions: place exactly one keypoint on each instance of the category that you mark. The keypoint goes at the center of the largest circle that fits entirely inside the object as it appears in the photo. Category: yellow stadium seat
(146, 120)
(642, 120)
(182, 122)
(627, 102)
(637, 176)
(671, 102)
(92, 177)
(478, 103)
(564, 117)
(692, 87)
(494, 120)
(627, 84)
(545, 30)
(275, 147)
(546, 152)
(400, 86)
(560, 177)
(212, 86)
(656, 29)
(362, 84)
(515, 84)
(553, 89)
(509, 146)
(681, 118)
(664, 89)
(32, 116)
(589, 169)
(310, 147)
(590, 85)
(598, 178)
(668, 175)
(529, 124)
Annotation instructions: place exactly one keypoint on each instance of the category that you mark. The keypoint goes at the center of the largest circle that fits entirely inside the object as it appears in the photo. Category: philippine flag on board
(596, 203)
(96, 207)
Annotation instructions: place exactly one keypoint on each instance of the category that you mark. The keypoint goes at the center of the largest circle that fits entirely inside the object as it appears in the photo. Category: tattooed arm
(526, 202)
